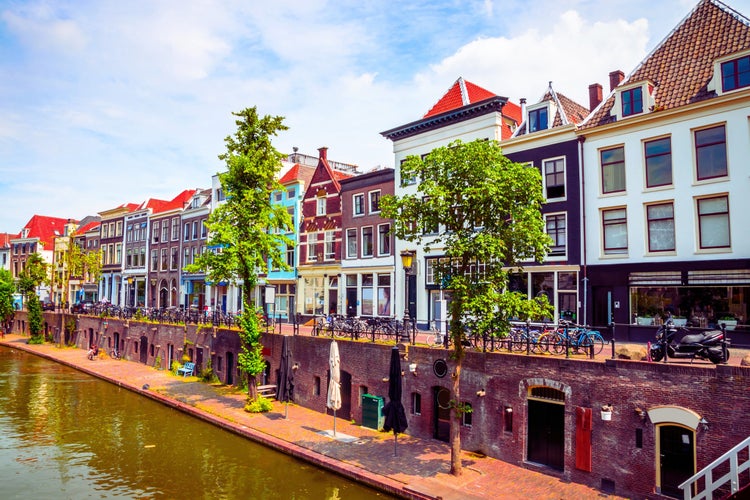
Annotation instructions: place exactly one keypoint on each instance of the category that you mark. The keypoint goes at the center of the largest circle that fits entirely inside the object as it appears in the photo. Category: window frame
(555, 174)
(736, 85)
(364, 241)
(701, 218)
(373, 201)
(652, 222)
(538, 116)
(650, 161)
(351, 239)
(697, 150)
(556, 215)
(618, 251)
(629, 101)
(612, 164)
(320, 205)
(312, 244)
(384, 235)
(329, 245)
(358, 204)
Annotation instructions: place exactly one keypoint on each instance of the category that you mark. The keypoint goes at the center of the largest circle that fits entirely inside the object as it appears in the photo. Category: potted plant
(729, 321)
(607, 412)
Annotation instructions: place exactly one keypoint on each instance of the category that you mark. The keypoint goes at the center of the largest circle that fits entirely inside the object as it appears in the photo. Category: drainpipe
(585, 280)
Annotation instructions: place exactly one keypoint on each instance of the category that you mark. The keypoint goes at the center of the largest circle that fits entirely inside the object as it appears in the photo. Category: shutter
(583, 438)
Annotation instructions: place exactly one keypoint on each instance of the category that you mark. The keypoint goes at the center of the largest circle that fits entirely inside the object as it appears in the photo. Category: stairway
(734, 467)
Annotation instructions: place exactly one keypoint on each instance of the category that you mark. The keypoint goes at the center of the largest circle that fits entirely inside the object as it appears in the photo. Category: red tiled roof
(682, 64)
(5, 239)
(45, 229)
(460, 94)
(298, 173)
(88, 227)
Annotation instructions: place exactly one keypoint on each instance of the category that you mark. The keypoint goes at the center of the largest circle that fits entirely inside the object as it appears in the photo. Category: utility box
(372, 412)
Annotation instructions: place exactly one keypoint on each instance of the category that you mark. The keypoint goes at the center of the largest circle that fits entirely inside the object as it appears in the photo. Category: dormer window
(735, 74)
(538, 119)
(632, 101)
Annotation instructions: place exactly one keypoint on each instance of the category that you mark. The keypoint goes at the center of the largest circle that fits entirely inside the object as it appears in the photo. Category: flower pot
(645, 320)
(606, 415)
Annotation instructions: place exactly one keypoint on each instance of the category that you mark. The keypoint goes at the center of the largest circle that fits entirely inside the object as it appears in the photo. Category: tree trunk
(252, 387)
(455, 434)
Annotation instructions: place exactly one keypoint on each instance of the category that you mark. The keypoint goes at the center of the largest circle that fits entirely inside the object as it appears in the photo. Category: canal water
(65, 434)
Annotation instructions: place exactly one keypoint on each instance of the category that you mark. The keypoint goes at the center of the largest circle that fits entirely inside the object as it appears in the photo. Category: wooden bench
(267, 391)
(186, 369)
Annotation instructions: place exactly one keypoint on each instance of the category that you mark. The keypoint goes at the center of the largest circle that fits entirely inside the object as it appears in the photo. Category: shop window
(384, 294)
(367, 294)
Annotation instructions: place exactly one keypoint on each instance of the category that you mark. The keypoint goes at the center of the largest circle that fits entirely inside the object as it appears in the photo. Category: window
(220, 194)
(658, 155)
(155, 233)
(312, 243)
(713, 222)
(204, 229)
(384, 294)
(186, 257)
(321, 210)
(660, 227)
(374, 201)
(615, 231)
(164, 260)
(407, 180)
(632, 101)
(154, 260)
(466, 415)
(367, 241)
(195, 230)
(290, 193)
(290, 256)
(175, 229)
(555, 227)
(384, 239)
(554, 178)
(129, 258)
(711, 153)
(613, 170)
(119, 228)
(351, 243)
(358, 200)
(118, 250)
(538, 119)
(416, 403)
(175, 258)
(329, 245)
(735, 74)
(277, 196)
(165, 231)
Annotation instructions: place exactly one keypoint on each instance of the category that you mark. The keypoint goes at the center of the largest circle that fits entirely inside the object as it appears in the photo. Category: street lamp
(407, 258)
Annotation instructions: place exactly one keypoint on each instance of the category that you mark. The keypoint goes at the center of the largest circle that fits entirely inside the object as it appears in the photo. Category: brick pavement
(420, 470)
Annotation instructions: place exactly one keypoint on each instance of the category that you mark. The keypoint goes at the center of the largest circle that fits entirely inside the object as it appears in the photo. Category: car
(82, 307)
(48, 305)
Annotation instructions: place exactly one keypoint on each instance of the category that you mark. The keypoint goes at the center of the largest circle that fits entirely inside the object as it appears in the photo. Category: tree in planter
(247, 229)
(7, 311)
(484, 213)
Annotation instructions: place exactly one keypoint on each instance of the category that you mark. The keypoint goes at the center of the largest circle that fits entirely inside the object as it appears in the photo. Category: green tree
(247, 229)
(484, 213)
(7, 288)
(34, 308)
(79, 264)
(35, 272)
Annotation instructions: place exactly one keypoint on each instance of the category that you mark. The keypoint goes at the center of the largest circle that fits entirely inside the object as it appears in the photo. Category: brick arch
(525, 384)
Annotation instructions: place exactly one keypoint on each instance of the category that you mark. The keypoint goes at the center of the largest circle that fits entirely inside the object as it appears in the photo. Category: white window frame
(651, 237)
(563, 255)
(372, 242)
(615, 251)
(380, 251)
(329, 245)
(312, 246)
(370, 200)
(701, 218)
(564, 177)
(351, 237)
(361, 211)
(320, 205)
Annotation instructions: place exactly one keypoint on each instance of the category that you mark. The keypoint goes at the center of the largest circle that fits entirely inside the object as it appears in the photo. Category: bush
(36, 339)
(260, 405)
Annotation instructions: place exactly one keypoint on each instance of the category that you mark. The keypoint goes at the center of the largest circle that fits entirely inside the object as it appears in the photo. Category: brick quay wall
(506, 392)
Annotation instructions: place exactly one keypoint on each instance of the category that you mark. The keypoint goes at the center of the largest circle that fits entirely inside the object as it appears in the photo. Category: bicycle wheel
(595, 340)
(557, 342)
(545, 340)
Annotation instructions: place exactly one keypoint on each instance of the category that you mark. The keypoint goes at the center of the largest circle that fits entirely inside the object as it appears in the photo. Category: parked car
(82, 307)
(48, 305)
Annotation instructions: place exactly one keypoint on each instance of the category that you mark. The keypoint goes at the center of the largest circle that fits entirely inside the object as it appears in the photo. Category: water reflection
(68, 435)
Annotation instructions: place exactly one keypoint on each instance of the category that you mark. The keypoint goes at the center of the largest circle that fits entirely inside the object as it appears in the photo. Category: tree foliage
(483, 213)
(81, 264)
(35, 272)
(36, 319)
(7, 289)
(247, 231)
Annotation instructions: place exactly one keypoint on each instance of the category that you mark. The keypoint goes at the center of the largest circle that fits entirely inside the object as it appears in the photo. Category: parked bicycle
(578, 338)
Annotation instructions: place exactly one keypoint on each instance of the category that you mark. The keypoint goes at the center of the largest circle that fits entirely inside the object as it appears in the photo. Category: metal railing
(738, 461)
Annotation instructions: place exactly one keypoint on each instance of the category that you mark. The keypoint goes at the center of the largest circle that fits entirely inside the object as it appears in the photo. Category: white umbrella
(334, 386)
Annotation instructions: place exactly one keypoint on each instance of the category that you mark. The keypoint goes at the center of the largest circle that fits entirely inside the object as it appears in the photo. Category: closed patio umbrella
(285, 382)
(334, 385)
(395, 416)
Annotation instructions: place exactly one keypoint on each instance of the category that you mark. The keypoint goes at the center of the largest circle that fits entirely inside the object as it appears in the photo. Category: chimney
(523, 107)
(595, 95)
(323, 153)
(615, 78)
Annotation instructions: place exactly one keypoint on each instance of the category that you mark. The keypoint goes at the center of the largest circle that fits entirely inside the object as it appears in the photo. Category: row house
(367, 261)
(295, 176)
(110, 242)
(86, 288)
(5, 250)
(466, 112)
(320, 240)
(63, 286)
(666, 175)
(194, 237)
(167, 232)
(546, 140)
(37, 236)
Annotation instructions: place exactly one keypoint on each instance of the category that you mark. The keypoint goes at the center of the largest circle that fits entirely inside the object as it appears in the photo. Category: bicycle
(579, 338)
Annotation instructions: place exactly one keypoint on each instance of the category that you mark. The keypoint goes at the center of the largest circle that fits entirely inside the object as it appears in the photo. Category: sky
(105, 102)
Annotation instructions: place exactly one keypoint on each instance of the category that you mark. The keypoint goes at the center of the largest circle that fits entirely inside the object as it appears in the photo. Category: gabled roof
(159, 206)
(567, 111)
(459, 95)
(45, 229)
(88, 227)
(5, 239)
(682, 64)
(298, 173)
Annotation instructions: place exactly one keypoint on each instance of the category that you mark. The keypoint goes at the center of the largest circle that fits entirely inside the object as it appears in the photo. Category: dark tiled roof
(568, 111)
(682, 65)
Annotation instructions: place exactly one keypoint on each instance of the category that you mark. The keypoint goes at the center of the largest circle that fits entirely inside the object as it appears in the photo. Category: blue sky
(108, 102)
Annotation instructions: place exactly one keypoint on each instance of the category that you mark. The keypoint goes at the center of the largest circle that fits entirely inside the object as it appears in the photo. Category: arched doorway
(163, 297)
(675, 447)
(546, 427)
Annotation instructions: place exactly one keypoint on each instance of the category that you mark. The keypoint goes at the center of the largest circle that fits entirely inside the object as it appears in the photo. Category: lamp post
(407, 257)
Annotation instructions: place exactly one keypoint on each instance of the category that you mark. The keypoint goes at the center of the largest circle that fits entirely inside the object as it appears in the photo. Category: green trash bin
(372, 412)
